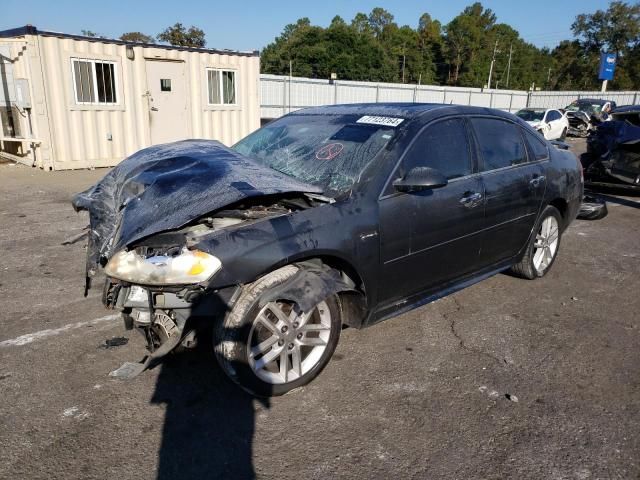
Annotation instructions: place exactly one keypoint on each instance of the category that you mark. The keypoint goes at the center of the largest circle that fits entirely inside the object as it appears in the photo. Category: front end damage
(613, 152)
(148, 219)
(172, 316)
(579, 124)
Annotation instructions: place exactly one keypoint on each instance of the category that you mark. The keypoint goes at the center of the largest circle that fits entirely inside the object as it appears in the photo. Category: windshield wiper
(320, 198)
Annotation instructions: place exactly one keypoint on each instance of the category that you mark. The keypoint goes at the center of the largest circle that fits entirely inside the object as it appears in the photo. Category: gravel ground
(506, 379)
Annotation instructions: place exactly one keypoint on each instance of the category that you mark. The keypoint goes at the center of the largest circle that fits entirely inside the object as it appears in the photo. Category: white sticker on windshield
(379, 120)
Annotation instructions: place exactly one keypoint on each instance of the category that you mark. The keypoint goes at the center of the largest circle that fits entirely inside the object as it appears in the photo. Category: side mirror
(420, 178)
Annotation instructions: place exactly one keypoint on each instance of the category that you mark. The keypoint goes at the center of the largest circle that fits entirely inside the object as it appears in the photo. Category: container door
(167, 101)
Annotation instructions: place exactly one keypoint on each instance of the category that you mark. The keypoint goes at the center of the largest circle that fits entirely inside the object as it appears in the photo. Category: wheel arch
(354, 303)
(563, 207)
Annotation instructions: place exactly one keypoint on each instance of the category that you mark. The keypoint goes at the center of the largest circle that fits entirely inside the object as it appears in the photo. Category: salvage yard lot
(508, 378)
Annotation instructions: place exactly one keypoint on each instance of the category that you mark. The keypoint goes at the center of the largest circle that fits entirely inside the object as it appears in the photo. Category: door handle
(154, 109)
(537, 180)
(471, 199)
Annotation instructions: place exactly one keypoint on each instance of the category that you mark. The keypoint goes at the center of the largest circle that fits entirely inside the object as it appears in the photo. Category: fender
(311, 285)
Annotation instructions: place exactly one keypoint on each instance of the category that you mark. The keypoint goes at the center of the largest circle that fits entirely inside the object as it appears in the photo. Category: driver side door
(432, 237)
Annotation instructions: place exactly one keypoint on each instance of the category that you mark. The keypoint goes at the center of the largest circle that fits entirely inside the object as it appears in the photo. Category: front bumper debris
(166, 316)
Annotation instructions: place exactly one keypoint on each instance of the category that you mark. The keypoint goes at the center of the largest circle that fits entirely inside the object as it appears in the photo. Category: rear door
(514, 187)
(432, 236)
(554, 118)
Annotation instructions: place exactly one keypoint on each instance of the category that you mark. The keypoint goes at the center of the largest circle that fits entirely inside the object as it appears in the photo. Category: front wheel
(269, 349)
(543, 246)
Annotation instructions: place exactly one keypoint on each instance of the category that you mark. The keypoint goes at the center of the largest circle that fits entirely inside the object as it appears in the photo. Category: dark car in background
(613, 151)
(327, 217)
(584, 113)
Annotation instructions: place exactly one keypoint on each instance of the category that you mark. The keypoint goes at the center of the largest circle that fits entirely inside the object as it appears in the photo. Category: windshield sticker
(329, 151)
(379, 120)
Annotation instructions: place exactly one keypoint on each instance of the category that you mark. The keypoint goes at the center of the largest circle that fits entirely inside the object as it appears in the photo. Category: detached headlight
(190, 266)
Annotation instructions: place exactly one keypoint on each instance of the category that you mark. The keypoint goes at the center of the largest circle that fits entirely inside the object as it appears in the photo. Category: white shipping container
(95, 101)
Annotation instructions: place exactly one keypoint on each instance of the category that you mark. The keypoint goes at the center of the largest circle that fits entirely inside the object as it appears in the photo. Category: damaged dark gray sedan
(328, 217)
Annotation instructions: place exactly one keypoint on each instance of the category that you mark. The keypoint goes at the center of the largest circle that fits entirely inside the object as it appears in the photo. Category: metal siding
(306, 92)
(79, 133)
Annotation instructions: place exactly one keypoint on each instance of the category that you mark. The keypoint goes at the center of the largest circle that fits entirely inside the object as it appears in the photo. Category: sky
(253, 24)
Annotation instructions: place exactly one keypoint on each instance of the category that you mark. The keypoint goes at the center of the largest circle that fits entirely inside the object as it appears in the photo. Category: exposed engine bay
(166, 315)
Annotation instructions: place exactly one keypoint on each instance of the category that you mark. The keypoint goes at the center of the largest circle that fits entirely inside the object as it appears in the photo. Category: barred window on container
(221, 87)
(94, 82)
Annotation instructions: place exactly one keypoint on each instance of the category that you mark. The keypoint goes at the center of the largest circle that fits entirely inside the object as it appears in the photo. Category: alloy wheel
(546, 244)
(284, 343)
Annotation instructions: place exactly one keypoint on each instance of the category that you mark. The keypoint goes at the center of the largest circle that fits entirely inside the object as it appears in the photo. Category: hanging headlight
(189, 267)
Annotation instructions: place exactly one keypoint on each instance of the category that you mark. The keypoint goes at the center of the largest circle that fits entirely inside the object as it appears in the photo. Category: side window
(537, 147)
(500, 143)
(443, 146)
(221, 85)
(553, 115)
(94, 81)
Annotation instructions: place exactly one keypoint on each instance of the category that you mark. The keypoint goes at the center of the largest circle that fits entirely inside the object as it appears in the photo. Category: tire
(250, 344)
(532, 266)
(563, 136)
(592, 208)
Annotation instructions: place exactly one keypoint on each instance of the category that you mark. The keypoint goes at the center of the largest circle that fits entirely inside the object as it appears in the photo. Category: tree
(379, 18)
(88, 33)
(361, 24)
(178, 35)
(136, 37)
(615, 29)
(431, 46)
(373, 47)
(469, 45)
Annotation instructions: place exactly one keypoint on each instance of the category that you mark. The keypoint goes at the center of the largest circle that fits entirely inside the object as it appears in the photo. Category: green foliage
(136, 37)
(373, 47)
(178, 35)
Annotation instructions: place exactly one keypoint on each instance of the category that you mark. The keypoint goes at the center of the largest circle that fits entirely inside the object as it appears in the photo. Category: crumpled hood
(165, 187)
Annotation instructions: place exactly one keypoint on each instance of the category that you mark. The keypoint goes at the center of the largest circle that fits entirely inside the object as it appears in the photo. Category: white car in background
(551, 123)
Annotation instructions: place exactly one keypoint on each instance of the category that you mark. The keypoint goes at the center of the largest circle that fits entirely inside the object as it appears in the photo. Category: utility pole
(509, 64)
(403, 62)
(290, 78)
(495, 50)
(549, 77)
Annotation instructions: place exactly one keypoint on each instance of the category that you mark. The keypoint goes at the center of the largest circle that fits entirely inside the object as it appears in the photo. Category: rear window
(553, 115)
(500, 143)
(530, 115)
(537, 146)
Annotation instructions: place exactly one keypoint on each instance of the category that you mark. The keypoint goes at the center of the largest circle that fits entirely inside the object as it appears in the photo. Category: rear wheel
(271, 349)
(563, 136)
(543, 246)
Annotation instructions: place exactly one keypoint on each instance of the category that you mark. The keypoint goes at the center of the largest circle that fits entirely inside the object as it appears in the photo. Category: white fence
(281, 95)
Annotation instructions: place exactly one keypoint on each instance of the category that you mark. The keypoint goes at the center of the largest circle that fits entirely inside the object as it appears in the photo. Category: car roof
(418, 112)
(597, 101)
